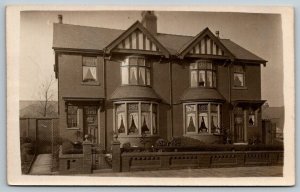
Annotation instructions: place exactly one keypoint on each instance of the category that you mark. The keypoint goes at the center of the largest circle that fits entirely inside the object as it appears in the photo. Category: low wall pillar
(116, 156)
(87, 157)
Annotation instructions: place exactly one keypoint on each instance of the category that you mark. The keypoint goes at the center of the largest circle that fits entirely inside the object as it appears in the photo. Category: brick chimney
(60, 19)
(149, 20)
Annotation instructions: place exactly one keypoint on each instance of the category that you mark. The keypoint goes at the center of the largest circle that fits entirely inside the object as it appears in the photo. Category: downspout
(171, 96)
(105, 96)
(231, 126)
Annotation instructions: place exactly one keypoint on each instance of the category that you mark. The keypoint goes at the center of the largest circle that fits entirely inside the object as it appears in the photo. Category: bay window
(203, 74)
(136, 118)
(135, 71)
(201, 118)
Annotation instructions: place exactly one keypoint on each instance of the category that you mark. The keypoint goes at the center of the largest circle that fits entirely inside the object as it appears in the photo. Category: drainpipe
(229, 93)
(171, 95)
(105, 96)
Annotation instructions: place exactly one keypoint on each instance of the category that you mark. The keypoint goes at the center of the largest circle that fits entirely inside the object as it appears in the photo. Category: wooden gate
(44, 136)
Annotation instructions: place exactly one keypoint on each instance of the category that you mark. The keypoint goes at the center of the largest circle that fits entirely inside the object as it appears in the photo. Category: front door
(90, 122)
(239, 128)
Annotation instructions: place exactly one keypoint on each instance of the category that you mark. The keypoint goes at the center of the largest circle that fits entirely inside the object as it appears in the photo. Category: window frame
(139, 118)
(252, 112)
(209, 119)
(241, 73)
(213, 70)
(97, 82)
(77, 117)
(146, 66)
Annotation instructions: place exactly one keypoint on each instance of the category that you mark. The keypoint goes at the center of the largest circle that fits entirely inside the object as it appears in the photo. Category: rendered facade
(139, 82)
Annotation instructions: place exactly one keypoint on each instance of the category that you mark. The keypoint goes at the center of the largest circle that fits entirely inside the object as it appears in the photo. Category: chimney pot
(218, 34)
(60, 19)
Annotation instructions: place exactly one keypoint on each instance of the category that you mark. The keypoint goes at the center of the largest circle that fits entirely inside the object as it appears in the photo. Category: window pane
(193, 66)
(72, 116)
(251, 120)
(194, 78)
(121, 122)
(133, 75)
(201, 65)
(208, 65)
(203, 123)
(214, 123)
(238, 79)
(145, 122)
(142, 75)
(148, 77)
(133, 118)
(214, 108)
(124, 63)
(238, 69)
(124, 73)
(202, 107)
(133, 61)
(201, 78)
(140, 62)
(120, 118)
(209, 79)
(89, 61)
(190, 120)
(89, 74)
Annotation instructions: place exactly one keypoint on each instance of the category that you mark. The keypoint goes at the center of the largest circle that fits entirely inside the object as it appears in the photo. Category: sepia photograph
(152, 93)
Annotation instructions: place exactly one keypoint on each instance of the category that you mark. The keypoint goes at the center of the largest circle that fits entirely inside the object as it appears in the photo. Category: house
(140, 82)
(276, 116)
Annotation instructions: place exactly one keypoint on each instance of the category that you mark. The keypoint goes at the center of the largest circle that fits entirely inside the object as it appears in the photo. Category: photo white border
(14, 176)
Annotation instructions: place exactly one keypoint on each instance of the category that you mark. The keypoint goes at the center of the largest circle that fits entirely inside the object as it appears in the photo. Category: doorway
(90, 122)
(239, 129)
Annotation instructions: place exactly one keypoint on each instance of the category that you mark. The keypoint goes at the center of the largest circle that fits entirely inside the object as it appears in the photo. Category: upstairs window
(203, 74)
(89, 69)
(135, 71)
(238, 76)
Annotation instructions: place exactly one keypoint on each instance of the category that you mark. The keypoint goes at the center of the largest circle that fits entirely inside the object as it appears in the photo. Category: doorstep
(242, 143)
(102, 171)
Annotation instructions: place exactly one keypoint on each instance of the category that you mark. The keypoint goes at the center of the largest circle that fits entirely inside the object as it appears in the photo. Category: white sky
(259, 33)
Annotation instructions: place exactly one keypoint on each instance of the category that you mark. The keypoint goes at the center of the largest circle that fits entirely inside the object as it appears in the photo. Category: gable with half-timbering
(137, 40)
(206, 46)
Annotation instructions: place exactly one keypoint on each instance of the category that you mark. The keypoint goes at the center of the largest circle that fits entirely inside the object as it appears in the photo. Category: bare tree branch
(46, 94)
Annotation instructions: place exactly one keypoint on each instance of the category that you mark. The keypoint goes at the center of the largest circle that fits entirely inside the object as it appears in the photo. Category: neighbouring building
(141, 82)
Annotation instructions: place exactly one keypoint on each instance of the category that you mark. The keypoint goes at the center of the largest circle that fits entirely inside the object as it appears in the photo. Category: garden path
(42, 165)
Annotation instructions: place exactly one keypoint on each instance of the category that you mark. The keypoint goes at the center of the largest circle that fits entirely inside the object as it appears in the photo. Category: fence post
(87, 157)
(116, 156)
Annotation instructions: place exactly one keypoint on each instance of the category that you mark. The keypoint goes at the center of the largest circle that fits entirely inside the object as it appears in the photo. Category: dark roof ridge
(175, 34)
(89, 26)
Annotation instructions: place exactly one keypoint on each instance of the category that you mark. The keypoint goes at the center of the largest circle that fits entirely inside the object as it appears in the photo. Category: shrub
(69, 148)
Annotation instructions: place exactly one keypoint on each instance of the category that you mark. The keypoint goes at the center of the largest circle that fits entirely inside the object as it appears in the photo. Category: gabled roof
(68, 36)
(138, 29)
(85, 38)
(198, 39)
(239, 52)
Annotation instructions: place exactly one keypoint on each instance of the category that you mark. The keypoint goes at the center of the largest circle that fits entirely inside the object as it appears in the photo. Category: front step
(102, 171)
